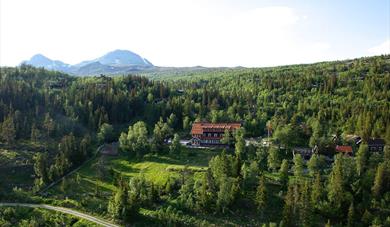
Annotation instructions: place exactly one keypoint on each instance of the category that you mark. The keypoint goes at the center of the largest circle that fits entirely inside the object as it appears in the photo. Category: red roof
(200, 127)
(344, 149)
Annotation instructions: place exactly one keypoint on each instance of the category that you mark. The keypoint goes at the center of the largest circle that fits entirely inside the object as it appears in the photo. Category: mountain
(39, 60)
(114, 62)
(123, 58)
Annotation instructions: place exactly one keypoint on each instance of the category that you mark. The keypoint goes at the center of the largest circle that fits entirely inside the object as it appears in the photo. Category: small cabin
(376, 145)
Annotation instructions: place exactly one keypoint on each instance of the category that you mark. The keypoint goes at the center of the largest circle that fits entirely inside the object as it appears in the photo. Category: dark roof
(376, 141)
(302, 149)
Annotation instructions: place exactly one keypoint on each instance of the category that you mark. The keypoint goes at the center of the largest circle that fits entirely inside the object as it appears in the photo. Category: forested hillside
(51, 122)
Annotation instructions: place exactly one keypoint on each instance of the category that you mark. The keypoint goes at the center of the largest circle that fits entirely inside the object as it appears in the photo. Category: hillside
(52, 123)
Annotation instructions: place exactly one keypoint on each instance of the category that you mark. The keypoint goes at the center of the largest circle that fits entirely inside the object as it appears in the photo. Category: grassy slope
(81, 193)
(158, 169)
(16, 160)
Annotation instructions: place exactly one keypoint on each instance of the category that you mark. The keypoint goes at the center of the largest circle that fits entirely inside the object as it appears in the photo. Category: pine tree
(240, 142)
(361, 159)
(204, 199)
(273, 159)
(378, 182)
(314, 165)
(106, 133)
(8, 130)
(351, 216)
(288, 209)
(175, 147)
(226, 138)
(317, 190)
(34, 136)
(49, 125)
(298, 166)
(261, 195)
(305, 210)
(117, 203)
(225, 194)
(283, 173)
(336, 183)
(41, 166)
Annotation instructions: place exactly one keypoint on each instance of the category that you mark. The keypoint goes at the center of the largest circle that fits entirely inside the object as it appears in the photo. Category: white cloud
(383, 48)
(168, 33)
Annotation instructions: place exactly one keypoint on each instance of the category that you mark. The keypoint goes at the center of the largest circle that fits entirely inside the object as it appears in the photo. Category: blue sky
(188, 33)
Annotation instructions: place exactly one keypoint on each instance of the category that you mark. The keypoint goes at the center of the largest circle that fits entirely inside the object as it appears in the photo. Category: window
(215, 134)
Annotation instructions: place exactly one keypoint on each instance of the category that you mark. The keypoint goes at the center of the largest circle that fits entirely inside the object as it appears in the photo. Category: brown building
(344, 149)
(206, 134)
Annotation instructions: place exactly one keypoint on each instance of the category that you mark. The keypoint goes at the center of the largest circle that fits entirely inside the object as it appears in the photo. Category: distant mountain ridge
(114, 62)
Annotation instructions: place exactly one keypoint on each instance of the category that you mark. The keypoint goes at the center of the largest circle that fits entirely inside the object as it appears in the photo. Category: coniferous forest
(54, 128)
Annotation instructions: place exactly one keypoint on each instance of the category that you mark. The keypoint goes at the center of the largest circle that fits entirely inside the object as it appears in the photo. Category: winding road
(96, 220)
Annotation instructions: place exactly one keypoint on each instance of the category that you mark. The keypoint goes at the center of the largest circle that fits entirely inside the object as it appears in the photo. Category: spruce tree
(288, 208)
(361, 159)
(283, 173)
(261, 195)
(317, 190)
(336, 183)
(298, 166)
(175, 147)
(351, 216)
(8, 130)
(305, 206)
(379, 181)
(273, 159)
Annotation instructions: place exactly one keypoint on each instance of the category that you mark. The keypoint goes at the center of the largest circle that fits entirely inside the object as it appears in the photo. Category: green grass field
(86, 191)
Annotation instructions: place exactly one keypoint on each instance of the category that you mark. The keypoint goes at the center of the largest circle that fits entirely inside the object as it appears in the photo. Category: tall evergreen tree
(273, 159)
(261, 195)
(351, 216)
(377, 188)
(283, 172)
(361, 159)
(8, 130)
(298, 166)
(288, 208)
(175, 147)
(317, 190)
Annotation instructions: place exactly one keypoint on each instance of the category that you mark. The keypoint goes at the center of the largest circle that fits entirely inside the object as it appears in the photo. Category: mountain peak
(39, 58)
(123, 58)
(112, 62)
